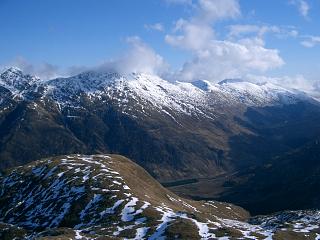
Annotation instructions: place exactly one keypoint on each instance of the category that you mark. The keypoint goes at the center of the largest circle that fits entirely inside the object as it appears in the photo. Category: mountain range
(223, 141)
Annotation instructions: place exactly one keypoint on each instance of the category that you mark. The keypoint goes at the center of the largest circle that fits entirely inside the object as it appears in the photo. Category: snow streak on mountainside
(181, 97)
(148, 90)
(14, 80)
(109, 196)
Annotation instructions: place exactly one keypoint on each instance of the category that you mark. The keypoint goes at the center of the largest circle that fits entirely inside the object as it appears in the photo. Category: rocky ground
(110, 197)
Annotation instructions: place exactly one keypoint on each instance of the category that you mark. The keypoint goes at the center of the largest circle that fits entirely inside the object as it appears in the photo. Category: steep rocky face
(16, 81)
(205, 134)
(108, 196)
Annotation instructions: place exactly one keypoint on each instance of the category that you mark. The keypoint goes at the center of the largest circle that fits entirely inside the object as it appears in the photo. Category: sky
(184, 40)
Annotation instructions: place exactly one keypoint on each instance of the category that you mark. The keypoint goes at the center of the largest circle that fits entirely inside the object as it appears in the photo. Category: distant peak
(12, 70)
(201, 84)
(231, 80)
(94, 74)
(14, 79)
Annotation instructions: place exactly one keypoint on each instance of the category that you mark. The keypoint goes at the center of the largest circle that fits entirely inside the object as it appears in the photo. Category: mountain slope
(96, 110)
(15, 81)
(288, 178)
(198, 132)
(81, 196)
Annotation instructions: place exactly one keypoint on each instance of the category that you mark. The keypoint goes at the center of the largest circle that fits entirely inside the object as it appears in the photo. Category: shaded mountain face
(205, 135)
(288, 175)
(295, 175)
(110, 197)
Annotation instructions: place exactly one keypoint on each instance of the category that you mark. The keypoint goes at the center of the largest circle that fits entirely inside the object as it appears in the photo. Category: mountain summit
(15, 80)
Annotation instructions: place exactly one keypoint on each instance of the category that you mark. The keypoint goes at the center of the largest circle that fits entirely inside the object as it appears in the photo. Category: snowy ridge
(138, 92)
(93, 198)
(16, 81)
(260, 94)
(133, 90)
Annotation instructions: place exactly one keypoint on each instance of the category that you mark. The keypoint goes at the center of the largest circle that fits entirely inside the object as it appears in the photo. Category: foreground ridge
(91, 197)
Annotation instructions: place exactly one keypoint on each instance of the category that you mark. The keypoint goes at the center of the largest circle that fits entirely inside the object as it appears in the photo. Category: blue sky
(182, 39)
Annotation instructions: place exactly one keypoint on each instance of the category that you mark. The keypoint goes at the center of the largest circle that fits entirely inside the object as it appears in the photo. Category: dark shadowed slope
(209, 134)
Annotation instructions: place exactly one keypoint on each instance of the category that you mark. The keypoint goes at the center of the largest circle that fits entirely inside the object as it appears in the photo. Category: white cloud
(214, 59)
(157, 27)
(308, 44)
(212, 10)
(316, 86)
(297, 82)
(43, 70)
(74, 70)
(139, 58)
(293, 33)
(191, 35)
(303, 7)
(310, 41)
(225, 59)
(245, 30)
(182, 2)
(242, 53)
(239, 30)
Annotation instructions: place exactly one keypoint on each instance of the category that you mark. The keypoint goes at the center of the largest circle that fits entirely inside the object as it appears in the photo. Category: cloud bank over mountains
(215, 59)
(240, 53)
(139, 58)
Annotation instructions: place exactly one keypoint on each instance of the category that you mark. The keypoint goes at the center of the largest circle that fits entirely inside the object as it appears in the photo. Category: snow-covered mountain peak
(85, 82)
(259, 94)
(202, 84)
(15, 80)
(12, 70)
(250, 93)
(231, 80)
(141, 92)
